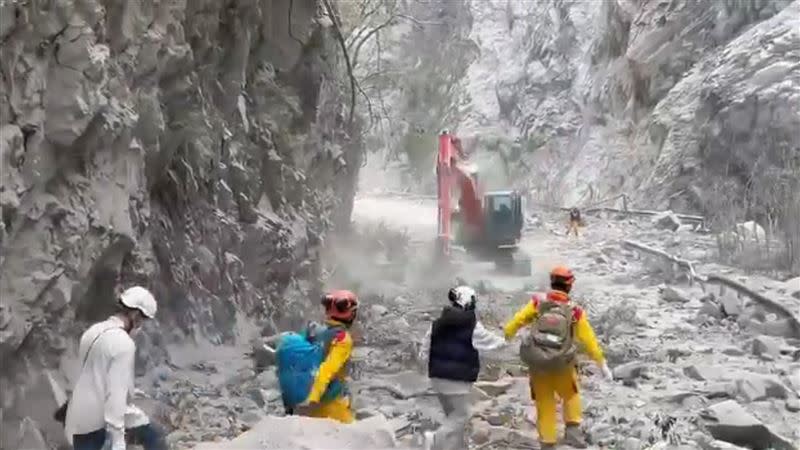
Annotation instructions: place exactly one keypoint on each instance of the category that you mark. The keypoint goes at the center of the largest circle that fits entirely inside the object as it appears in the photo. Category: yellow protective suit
(564, 383)
(334, 366)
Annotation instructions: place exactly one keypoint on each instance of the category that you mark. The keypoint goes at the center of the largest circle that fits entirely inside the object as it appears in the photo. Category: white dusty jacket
(100, 397)
(483, 340)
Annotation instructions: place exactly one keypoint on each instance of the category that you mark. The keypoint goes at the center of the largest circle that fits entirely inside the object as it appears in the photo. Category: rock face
(196, 147)
(671, 102)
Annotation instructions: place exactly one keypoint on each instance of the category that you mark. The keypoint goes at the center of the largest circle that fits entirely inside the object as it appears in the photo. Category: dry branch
(740, 288)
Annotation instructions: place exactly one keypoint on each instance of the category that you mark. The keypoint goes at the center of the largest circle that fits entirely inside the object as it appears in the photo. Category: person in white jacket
(452, 346)
(98, 409)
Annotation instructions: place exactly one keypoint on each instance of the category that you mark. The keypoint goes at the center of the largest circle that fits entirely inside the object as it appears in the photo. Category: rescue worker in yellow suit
(341, 308)
(545, 385)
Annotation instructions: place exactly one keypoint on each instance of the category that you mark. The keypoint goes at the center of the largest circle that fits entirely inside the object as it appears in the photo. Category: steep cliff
(680, 104)
(199, 147)
(598, 97)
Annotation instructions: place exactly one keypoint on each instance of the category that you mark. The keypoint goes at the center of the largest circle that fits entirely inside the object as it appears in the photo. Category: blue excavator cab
(503, 218)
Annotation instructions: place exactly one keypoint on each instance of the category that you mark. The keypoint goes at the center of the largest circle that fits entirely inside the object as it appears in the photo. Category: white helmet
(463, 297)
(137, 297)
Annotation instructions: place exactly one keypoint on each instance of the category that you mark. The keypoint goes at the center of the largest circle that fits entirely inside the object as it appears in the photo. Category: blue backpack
(299, 356)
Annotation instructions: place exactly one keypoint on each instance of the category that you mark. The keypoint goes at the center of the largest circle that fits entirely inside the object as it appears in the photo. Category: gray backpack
(550, 345)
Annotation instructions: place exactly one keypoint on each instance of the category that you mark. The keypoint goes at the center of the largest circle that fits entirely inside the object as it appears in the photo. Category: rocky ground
(694, 368)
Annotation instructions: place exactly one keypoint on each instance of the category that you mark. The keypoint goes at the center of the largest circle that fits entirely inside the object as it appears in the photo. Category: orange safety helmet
(341, 305)
(562, 275)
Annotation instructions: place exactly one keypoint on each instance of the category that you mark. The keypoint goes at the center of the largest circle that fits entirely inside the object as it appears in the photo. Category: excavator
(487, 224)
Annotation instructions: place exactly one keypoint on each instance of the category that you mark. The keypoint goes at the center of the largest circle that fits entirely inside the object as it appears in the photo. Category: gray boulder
(754, 387)
(311, 434)
(630, 370)
(766, 345)
(704, 372)
(728, 421)
(667, 220)
(731, 304)
(495, 388)
(673, 295)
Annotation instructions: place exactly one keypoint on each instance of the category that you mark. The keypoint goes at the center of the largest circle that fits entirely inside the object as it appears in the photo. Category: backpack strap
(577, 311)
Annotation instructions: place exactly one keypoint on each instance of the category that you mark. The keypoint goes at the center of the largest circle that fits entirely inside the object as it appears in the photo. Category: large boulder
(728, 421)
(754, 387)
(304, 433)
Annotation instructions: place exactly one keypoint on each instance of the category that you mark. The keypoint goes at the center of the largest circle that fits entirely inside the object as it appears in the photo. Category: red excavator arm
(449, 174)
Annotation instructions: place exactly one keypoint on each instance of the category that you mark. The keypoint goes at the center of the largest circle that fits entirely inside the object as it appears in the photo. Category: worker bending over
(341, 308)
(549, 350)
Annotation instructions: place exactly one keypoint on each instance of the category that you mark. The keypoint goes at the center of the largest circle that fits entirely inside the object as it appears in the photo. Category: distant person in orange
(574, 221)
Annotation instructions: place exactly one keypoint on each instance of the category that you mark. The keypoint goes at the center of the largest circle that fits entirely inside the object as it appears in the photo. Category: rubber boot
(545, 446)
(573, 436)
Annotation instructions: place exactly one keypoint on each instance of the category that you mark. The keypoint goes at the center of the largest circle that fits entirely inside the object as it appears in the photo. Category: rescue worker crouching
(560, 379)
(341, 308)
(98, 408)
(453, 343)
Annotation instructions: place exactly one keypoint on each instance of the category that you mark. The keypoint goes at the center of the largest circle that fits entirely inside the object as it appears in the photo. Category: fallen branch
(680, 262)
(726, 282)
(644, 212)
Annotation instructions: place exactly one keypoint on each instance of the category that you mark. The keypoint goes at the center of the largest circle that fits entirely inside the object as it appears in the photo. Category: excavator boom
(451, 174)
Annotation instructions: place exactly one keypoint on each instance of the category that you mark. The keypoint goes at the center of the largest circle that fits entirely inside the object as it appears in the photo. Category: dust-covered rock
(753, 387)
(313, 434)
(674, 295)
(630, 371)
(667, 220)
(728, 421)
(495, 388)
(766, 345)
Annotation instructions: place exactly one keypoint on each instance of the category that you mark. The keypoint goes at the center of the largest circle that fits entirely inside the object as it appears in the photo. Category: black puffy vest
(452, 356)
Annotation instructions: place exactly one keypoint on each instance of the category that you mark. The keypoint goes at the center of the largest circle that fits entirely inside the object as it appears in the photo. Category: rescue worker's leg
(452, 434)
(338, 409)
(573, 227)
(569, 392)
(543, 389)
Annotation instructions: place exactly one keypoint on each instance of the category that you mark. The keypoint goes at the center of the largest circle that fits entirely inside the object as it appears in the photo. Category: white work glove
(117, 438)
(607, 373)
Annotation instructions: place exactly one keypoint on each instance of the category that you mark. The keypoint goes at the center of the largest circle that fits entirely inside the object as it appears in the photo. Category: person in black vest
(452, 345)
(574, 221)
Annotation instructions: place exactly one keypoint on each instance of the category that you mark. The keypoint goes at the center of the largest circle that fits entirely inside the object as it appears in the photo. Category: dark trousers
(148, 436)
